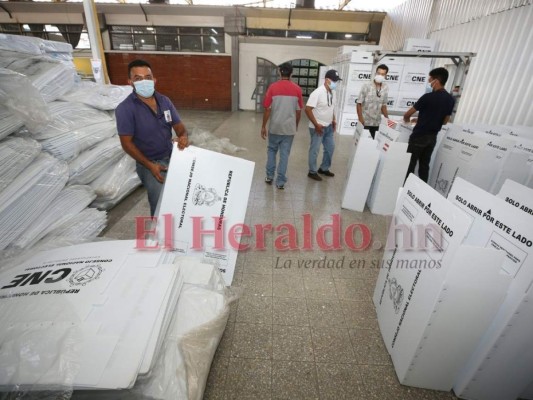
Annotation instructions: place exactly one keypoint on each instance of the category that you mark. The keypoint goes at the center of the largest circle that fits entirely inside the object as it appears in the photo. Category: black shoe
(280, 187)
(314, 176)
(327, 173)
(268, 180)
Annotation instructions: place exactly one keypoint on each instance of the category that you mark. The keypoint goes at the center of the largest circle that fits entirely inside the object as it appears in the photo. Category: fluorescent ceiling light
(348, 36)
(303, 37)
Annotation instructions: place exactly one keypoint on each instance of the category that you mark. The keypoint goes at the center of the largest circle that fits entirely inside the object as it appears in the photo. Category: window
(76, 35)
(167, 38)
(309, 35)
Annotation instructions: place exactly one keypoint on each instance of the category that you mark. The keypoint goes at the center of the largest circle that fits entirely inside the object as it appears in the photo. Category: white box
(390, 173)
(476, 158)
(207, 185)
(420, 45)
(431, 306)
(502, 365)
(361, 57)
(358, 74)
(517, 195)
(406, 100)
(518, 166)
(361, 167)
(347, 125)
(414, 77)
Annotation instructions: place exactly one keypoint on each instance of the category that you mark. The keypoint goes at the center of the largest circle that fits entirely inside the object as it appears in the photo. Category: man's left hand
(334, 126)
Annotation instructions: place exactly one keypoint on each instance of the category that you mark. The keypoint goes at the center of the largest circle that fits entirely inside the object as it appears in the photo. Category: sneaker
(268, 180)
(280, 187)
(314, 176)
(327, 173)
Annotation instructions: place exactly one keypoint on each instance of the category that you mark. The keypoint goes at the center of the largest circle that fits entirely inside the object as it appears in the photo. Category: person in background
(283, 105)
(372, 101)
(145, 120)
(321, 113)
(434, 110)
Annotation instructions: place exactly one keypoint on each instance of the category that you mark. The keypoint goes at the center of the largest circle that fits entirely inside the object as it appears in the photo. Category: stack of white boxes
(459, 291)
(355, 69)
(406, 79)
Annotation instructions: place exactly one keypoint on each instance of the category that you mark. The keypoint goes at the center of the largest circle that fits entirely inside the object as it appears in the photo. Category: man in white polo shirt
(320, 111)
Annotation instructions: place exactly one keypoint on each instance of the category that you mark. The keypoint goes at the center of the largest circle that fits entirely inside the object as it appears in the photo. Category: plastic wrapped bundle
(21, 44)
(68, 145)
(84, 226)
(23, 100)
(208, 141)
(29, 195)
(8, 122)
(115, 184)
(66, 117)
(90, 164)
(53, 46)
(9, 57)
(103, 97)
(68, 203)
(51, 77)
(15, 155)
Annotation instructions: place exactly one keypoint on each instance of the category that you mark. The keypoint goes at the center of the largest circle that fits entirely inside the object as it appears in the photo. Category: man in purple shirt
(145, 120)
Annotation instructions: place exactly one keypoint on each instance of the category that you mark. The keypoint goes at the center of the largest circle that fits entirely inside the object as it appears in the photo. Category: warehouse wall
(277, 54)
(498, 89)
(190, 81)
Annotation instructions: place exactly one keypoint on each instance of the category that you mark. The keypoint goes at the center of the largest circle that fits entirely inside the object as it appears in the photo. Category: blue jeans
(283, 143)
(329, 147)
(152, 185)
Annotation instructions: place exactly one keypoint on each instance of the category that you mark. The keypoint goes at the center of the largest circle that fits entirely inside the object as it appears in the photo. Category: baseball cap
(333, 75)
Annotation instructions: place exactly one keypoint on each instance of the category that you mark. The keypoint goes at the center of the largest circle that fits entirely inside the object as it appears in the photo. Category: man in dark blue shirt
(434, 110)
(144, 122)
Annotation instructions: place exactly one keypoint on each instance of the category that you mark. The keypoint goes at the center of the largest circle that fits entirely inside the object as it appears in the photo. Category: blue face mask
(333, 85)
(429, 88)
(144, 88)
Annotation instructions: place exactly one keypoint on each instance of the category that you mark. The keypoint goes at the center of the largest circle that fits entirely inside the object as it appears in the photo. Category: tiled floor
(304, 326)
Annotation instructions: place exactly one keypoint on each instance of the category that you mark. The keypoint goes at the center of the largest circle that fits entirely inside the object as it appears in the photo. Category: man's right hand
(319, 130)
(264, 133)
(362, 121)
(156, 170)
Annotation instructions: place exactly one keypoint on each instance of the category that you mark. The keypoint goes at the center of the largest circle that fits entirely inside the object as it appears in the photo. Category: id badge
(168, 117)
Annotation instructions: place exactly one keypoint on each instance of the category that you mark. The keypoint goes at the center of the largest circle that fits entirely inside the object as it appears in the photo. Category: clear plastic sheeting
(84, 226)
(68, 203)
(67, 117)
(8, 122)
(51, 77)
(29, 195)
(93, 162)
(21, 44)
(181, 370)
(23, 100)
(15, 155)
(102, 97)
(115, 184)
(208, 141)
(68, 145)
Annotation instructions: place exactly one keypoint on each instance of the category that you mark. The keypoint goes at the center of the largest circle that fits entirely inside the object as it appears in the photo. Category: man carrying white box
(434, 110)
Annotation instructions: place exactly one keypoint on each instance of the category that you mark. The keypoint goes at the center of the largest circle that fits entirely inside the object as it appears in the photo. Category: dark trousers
(421, 148)
(373, 130)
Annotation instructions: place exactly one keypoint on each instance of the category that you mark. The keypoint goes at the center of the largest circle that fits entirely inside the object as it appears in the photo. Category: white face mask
(379, 78)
